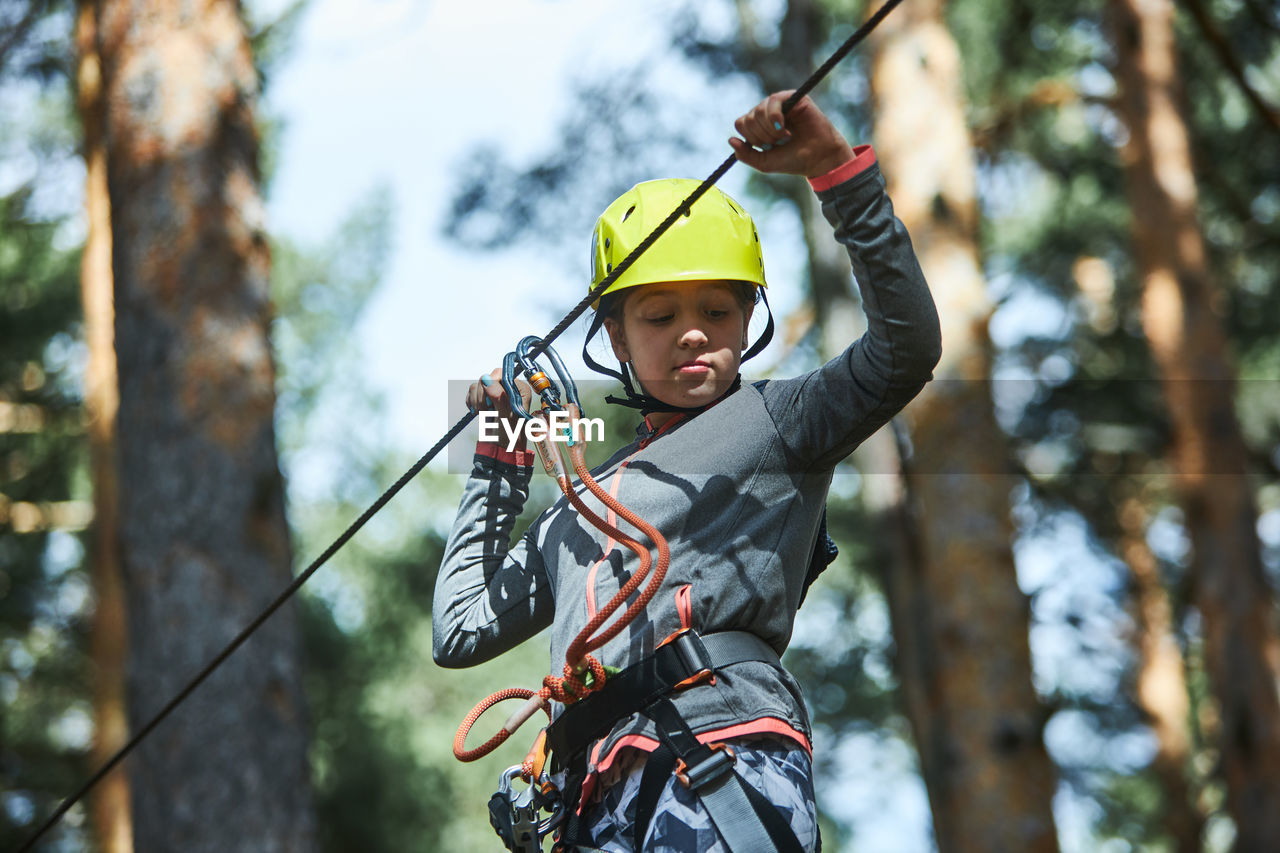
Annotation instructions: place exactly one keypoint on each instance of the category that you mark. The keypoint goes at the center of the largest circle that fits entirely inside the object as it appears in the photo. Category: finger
(764, 134)
(491, 387)
(775, 101)
(774, 118)
(526, 393)
(748, 155)
(475, 397)
(478, 395)
(751, 127)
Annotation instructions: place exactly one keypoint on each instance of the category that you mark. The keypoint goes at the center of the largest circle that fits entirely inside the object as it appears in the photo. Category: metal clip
(515, 816)
(546, 387)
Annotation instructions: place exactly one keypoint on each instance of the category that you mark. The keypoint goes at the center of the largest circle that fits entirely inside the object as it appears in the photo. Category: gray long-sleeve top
(738, 491)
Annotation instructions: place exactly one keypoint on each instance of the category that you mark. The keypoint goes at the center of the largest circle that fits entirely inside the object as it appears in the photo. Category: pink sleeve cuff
(863, 157)
(499, 453)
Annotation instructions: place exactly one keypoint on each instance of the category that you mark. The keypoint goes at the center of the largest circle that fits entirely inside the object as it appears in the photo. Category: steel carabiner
(515, 816)
(545, 387)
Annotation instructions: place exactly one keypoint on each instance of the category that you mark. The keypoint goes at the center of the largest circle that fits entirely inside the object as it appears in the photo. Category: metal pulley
(515, 816)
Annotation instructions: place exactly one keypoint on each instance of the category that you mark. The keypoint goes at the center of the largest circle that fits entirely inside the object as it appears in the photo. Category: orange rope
(459, 740)
(584, 642)
(579, 662)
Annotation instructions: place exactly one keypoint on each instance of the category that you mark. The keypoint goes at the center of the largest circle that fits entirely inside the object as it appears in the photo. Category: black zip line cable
(454, 431)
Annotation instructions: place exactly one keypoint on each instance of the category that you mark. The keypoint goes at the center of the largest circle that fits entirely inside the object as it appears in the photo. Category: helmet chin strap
(648, 404)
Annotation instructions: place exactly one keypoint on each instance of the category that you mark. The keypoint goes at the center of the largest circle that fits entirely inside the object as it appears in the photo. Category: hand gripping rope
(453, 432)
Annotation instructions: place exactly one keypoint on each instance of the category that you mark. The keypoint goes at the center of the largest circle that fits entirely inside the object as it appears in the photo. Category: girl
(702, 742)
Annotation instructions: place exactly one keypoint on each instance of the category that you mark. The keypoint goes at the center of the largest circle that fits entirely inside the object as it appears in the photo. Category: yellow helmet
(716, 240)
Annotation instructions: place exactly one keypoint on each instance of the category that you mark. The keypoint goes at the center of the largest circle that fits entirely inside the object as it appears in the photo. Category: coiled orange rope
(583, 673)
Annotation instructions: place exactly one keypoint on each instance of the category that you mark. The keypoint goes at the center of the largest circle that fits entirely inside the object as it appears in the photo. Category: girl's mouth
(693, 367)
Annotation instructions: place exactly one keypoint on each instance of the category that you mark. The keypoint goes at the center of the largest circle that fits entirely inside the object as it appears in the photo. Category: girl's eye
(658, 319)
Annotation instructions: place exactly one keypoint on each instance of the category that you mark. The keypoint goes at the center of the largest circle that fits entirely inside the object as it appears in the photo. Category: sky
(397, 93)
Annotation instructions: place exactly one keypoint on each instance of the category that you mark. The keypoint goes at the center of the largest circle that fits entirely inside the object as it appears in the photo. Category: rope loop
(460, 750)
(578, 682)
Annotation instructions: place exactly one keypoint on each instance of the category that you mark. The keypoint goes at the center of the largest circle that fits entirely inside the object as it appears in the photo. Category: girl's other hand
(803, 142)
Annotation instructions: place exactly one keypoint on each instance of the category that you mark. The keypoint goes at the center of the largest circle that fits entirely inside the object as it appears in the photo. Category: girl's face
(684, 340)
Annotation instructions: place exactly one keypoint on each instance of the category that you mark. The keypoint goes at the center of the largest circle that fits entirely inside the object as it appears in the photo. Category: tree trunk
(109, 804)
(1242, 654)
(960, 620)
(1161, 683)
(203, 540)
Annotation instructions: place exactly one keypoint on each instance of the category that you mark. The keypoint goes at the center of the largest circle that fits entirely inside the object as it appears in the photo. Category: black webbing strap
(685, 657)
(747, 824)
(658, 768)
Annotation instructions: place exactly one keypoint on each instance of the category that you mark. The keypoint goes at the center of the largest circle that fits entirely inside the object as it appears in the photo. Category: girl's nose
(693, 337)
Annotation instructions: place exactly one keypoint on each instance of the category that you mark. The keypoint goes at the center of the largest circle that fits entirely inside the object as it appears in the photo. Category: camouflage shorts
(779, 769)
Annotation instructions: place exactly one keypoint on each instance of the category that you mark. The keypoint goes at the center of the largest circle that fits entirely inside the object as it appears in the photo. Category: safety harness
(745, 819)
(596, 697)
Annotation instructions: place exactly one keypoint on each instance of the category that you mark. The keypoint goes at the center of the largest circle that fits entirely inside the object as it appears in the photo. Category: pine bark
(1161, 680)
(960, 621)
(203, 541)
(1180, 321)
(109, 802)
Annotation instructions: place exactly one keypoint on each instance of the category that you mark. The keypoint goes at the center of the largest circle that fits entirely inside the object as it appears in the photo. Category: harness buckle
(693, 655)
(708, 770)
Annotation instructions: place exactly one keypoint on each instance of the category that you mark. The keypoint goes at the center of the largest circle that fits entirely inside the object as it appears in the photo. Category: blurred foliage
(33, 40)
(45, 600)
(44, 594)
(383, 714)
(1075, 385)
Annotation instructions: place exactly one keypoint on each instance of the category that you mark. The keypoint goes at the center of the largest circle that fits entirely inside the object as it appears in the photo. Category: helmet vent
(630, 210)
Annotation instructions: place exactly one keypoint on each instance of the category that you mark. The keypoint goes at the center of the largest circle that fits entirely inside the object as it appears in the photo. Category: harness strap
(747, 824)
(658, 768)
(688, 656)
(744, 817)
